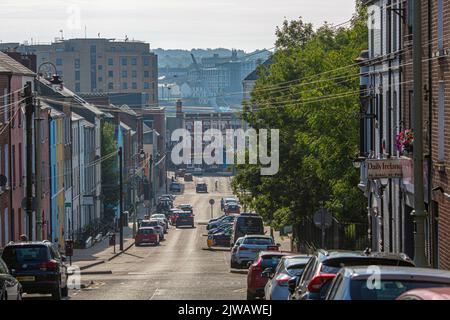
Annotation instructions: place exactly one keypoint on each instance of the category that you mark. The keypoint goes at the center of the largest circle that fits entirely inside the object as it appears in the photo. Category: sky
(167, 24)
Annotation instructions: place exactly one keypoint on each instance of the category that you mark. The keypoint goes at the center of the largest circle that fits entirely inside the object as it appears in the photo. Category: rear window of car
(253, 224)
(146, 231)
(333, 266)
(25, 254)
(259, 241)
(388, 289)
(184, 215)
(270, 261)
(296, 270)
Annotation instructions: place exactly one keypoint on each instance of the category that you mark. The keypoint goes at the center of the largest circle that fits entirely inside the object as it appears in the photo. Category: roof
(404, 273)
(9, 65)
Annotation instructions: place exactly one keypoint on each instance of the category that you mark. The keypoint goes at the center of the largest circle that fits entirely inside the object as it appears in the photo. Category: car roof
(258, 236)
(272, 253)
(404, 273)
(429, 294)
(146, 228)
(290, 261)
(31, 243)
(185, 205)
(326, 255)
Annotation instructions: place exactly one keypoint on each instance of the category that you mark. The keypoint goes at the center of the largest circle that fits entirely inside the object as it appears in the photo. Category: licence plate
(26, 279)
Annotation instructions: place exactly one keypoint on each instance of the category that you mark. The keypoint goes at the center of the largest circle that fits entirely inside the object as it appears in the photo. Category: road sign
(323, 219)
(212, 202)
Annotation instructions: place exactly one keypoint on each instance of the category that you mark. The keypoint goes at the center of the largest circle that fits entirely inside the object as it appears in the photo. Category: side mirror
(292, 284)
(249, 264)
(63, 258)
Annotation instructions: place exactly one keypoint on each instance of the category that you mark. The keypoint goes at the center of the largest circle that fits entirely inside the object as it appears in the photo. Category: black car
(247, 224)
(324, 265)
(10, 288)
(201, 187)
(185, 219)
(39, 268)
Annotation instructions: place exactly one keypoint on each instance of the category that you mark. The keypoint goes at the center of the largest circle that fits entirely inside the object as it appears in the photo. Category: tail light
(283, 281)
(318, 281)
(49, 265)
(244, 249)
(272, 248)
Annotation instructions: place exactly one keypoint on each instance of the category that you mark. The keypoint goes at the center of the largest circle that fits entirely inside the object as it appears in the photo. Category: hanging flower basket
(405, 141)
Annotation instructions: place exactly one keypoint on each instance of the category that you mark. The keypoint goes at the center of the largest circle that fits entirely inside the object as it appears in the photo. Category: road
(181, 268)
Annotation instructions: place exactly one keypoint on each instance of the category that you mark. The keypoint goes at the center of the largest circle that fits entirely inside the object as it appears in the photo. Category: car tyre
(65, 292)
(250, 296)
(234, 265)
(3, 295)
(56, 294)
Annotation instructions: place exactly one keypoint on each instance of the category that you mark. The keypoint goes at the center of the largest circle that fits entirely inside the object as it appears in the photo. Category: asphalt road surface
(181, 268)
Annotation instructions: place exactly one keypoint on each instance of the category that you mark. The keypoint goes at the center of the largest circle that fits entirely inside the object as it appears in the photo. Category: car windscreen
(333, 266)
(184, 215)
(388, 289)
(259, 241)
(251, 225)
(25, 254)
(268, 261)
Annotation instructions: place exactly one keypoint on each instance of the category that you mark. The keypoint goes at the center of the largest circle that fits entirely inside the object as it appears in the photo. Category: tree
(310, 93)
(110, 185)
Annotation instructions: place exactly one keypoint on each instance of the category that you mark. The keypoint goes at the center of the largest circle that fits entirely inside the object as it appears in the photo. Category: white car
(249, 248)
(163, 219)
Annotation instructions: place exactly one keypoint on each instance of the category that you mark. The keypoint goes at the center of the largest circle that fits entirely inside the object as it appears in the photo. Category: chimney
(179, 109)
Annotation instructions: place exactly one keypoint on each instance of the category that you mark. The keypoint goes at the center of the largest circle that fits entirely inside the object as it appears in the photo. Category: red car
(146, 236)
(255, 281)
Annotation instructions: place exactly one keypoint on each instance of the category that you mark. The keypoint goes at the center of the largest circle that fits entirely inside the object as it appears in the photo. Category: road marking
(154, 293)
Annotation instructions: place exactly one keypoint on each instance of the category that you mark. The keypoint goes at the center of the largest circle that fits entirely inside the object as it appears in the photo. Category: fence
(342, 235)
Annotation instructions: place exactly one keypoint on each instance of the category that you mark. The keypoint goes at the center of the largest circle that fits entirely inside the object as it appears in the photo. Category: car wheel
(250, 296)
(56, 294)
(234, 265)
(193, 226)
(3, 295)
(65, 292)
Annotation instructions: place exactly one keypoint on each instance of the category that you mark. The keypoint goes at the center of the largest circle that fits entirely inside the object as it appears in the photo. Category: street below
(181, 268)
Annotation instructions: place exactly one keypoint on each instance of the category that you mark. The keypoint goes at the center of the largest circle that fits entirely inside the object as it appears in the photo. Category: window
(125, 86)
(146, 74)
(110, 62)
(441, 122)
(100, 79)
(110, 86)
(77, 87)
(77, 75)
(13, 166)
(124, 61)
(20, 165)
(100, 67)
(134, 74)
(133, 61)
(134, 86)
(111, 74)
(146, 85)
(59, 62)
(77, 63)
(124, 74)
(146, 61)
(6, 155)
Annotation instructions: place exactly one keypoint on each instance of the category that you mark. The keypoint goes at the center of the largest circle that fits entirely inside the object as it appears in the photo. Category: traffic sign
(323, 219)
(212, 202)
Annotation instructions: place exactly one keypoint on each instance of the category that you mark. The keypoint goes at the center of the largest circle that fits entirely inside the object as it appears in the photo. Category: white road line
(154, 293)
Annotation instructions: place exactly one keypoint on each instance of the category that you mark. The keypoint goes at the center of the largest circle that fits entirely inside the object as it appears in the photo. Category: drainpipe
(11, 216)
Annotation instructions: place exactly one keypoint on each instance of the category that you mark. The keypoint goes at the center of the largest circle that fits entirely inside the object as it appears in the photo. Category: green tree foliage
(310, 93)
(110, 177)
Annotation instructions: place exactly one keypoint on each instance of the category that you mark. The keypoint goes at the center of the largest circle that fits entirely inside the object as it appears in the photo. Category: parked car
(426, 294)
(235, 246)
(147, 235)
(155, 224)
(201, 187)
(39, 268)
(324, 265)
(220, 238)
(197, 171)
(163, 219)
(188, 177)
(216, 219)
(247, 224)
(168, 196)
(256, 282)
(354, 283)
(180, 173)
(185, 218)
(10, 288)
(221, 228)
(289, 268)
(186, 208)
(227, 201)
(176, 187)
(172, 215)
(250, 247)
(232, 208)
(220, 222)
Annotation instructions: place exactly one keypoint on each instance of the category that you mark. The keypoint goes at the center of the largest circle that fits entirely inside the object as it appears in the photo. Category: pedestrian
(23, 238)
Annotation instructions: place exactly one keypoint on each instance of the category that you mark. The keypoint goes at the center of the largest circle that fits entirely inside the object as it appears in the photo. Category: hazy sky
(186, 24)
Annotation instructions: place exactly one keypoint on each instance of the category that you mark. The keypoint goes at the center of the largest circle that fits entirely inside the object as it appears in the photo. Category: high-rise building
(101, 65)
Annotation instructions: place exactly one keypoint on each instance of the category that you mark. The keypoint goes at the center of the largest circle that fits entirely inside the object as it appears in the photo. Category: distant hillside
(182, 58)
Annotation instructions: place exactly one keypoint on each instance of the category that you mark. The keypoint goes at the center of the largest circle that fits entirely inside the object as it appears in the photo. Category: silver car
(234, 264)
(384, 283)
(163, 219)
(156, 224)
(251, 246)
(289, 268)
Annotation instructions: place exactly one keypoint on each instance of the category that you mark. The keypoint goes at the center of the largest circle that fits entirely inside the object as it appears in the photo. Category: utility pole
(29, 110)
(121, 199)
(419, 212)
(37, 143)
(150, 180)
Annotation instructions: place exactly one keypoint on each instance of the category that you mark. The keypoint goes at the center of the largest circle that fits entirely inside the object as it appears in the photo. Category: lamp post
(383, 185)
